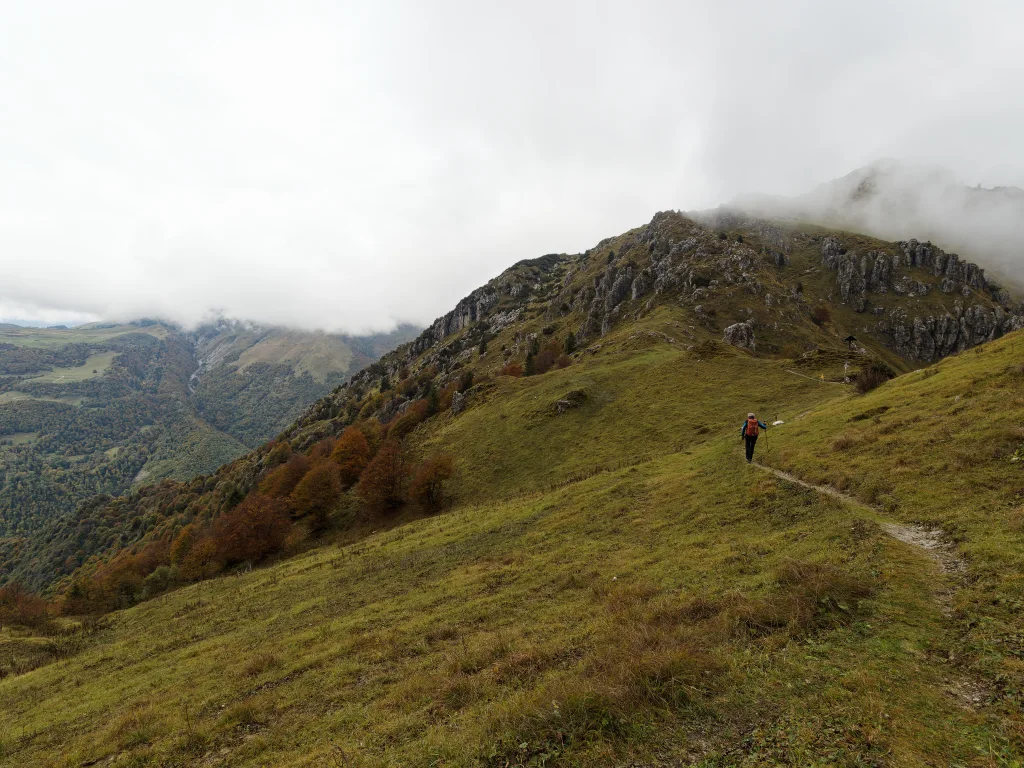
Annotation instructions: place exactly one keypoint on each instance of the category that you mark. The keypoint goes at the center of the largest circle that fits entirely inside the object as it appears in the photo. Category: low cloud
(898, 201)
(331, 166)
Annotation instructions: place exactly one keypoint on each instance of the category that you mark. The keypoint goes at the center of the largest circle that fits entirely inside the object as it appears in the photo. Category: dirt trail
(965, 688)
(929, 540)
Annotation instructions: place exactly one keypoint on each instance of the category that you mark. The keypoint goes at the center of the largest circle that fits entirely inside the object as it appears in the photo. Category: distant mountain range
(94, 409)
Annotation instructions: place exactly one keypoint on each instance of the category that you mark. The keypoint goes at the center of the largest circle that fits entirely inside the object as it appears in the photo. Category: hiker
(749, 432)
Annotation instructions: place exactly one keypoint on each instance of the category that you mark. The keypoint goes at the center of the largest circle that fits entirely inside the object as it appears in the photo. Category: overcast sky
(349, 165)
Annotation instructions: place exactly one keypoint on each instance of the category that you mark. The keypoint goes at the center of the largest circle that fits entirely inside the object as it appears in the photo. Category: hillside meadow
(615, 586)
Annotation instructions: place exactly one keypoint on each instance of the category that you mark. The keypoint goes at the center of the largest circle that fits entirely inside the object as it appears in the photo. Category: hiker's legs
(750, 447)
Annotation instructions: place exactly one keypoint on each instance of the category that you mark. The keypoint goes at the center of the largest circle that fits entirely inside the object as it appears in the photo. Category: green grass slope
(943, 447)
(618, 587)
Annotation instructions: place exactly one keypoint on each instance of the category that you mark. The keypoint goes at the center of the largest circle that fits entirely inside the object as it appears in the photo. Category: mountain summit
(897, 200)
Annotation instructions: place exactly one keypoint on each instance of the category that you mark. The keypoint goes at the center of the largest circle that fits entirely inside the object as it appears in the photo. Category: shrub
(382, 486)
(821, 315)
(160, 580)
(252, 530)
(547, 357)
(511, 369)
(317, 493)
(466, 381)
(351, 455)
(278, 453)
(427, 487)
(872, 376)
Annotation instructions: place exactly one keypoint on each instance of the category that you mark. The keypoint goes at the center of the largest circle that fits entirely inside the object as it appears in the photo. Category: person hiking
(749, 432)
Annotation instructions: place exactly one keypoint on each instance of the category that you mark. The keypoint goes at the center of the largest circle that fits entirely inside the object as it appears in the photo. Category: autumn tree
(321, 450)
(21, 607)
(382, 486)
(409, 420)
(202, 560)
(351, 454)
(374, 432)
(427, 486)
(282, 481)
(183, 542)
(254, 529)
(317, 493)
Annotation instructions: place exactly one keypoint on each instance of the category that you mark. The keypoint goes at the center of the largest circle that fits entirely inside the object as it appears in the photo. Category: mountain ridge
(765, 287)
(895, 200)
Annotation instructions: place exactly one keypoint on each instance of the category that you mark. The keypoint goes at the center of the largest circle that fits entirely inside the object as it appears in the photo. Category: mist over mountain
(898, 200)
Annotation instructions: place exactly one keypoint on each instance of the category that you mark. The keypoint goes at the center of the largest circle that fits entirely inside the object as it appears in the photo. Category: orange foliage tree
(409, 420)
(321, 450)
(254, 529)
(427, 486)
(382, 485)
(202, 559)
(317, 493)
(21, 607)
(351, 454)
(282, 481)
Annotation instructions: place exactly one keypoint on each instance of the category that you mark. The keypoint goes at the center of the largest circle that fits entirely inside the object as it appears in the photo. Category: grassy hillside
(635, 595)
(943, 447)
(613, 584)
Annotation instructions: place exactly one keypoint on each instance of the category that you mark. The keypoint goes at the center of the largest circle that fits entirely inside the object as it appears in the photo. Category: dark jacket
(743, 429)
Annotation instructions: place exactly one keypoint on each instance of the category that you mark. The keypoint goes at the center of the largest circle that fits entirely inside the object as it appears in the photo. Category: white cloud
(346, 165)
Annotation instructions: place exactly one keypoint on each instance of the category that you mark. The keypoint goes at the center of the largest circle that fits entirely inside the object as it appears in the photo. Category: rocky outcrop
(458, 403)
(570, 400)
(879, 272)
(740, 335)
(930, 337)
(470, 310)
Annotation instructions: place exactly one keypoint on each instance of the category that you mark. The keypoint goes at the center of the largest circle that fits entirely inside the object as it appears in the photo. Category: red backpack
(751, 430)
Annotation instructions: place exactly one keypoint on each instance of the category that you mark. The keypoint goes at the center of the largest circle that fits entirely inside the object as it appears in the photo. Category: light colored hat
(750, 415)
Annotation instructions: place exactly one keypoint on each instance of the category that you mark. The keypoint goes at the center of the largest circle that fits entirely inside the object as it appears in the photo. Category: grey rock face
(929, 337)
(740, 335)
(467, 311)
(878, 272)
(458, 403)
(618, 290)
(641, 285)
